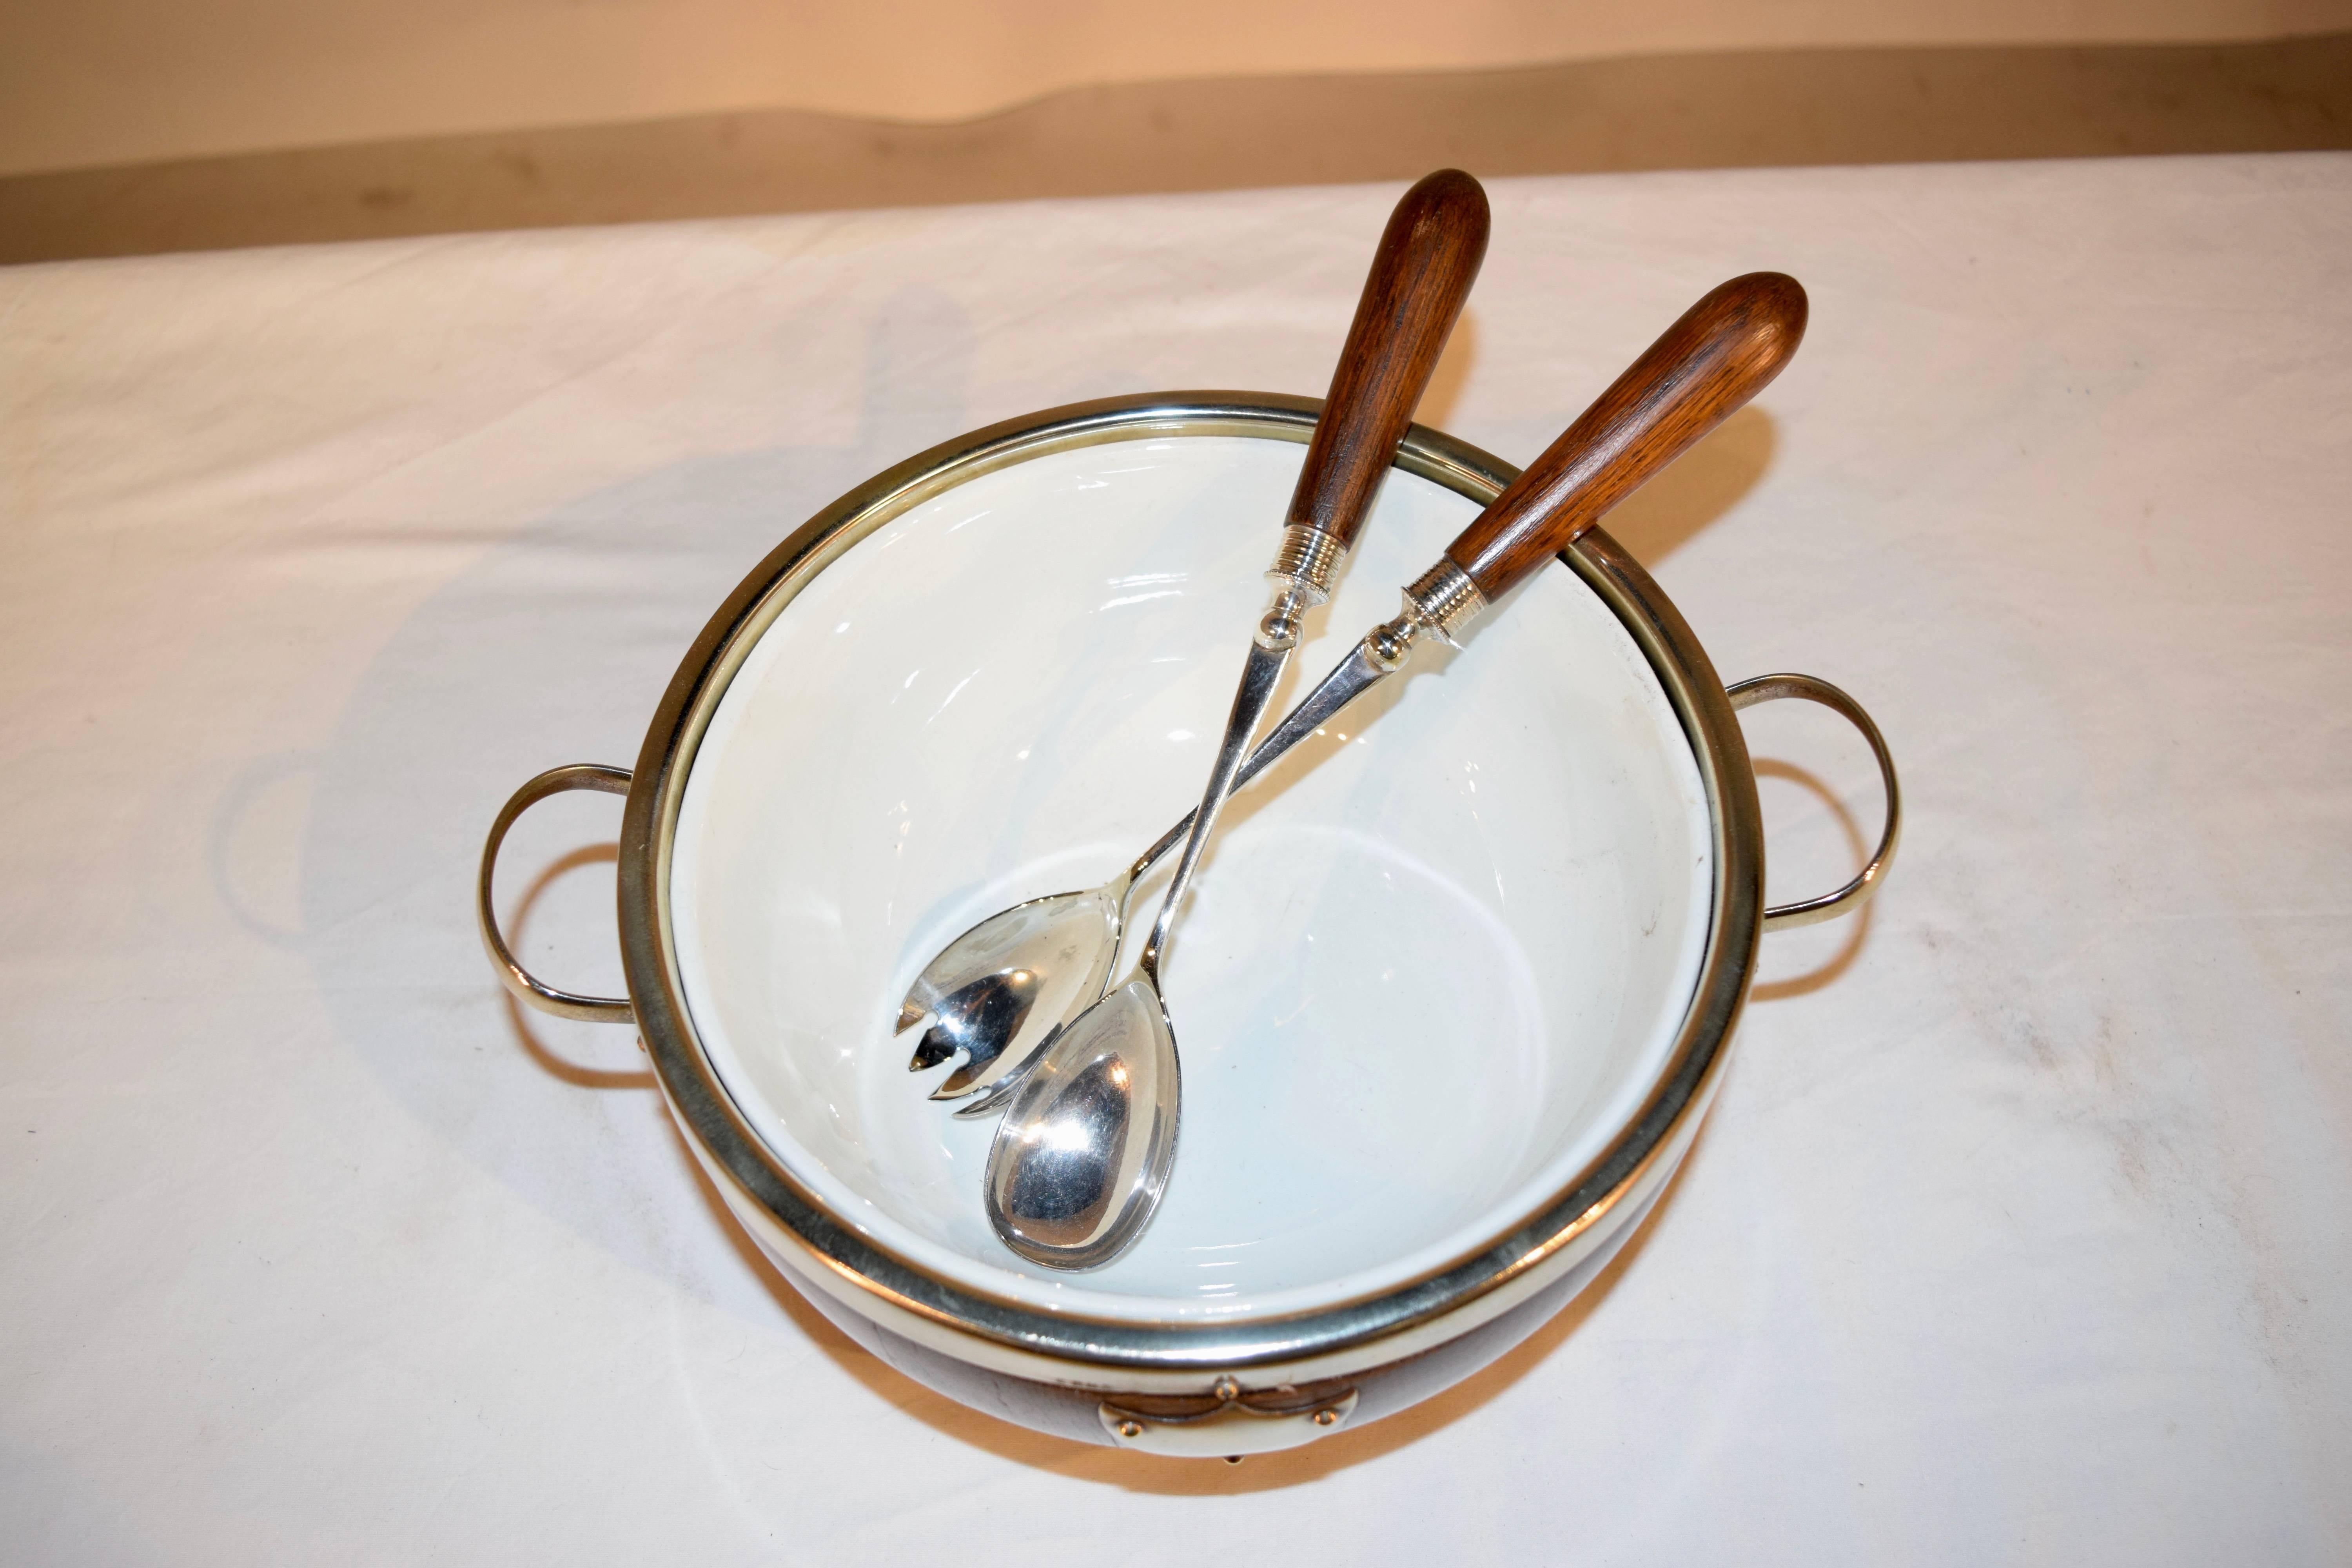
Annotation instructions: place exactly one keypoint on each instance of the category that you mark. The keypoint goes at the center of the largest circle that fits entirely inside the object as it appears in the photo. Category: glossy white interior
(1434, 963)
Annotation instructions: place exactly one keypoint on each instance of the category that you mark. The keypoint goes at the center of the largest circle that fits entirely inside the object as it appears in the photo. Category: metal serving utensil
(1082, 1157)
(997, 992)
(1023, 972)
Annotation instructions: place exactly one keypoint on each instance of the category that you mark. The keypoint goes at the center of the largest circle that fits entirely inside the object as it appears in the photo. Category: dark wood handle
(1724, 351)
(1428, 256)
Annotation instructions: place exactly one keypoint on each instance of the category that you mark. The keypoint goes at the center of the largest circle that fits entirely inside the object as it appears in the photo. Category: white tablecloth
(2021, 1230)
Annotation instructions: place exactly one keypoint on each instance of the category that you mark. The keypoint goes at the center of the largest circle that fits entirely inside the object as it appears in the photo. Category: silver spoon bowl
(1092, 1131)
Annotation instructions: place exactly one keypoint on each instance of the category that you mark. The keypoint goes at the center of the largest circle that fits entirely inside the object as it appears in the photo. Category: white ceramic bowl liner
(1433, 964)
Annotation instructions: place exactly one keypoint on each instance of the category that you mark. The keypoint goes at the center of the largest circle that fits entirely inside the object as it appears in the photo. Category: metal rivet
(1327, 1418)
(1228, 1390)
(1130, 1428)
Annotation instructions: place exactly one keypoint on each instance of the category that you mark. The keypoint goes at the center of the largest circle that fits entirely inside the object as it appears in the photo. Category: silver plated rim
(998, 1330)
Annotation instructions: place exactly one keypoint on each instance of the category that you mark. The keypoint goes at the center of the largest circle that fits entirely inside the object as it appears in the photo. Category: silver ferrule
(1309, 558)
(1300, 579)
(1439, 601)
(1445, 599)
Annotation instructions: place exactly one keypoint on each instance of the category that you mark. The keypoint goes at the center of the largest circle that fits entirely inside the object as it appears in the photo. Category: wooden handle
(1428, 256)
(1724, 351)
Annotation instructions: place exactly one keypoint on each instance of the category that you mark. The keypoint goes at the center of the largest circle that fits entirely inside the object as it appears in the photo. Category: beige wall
(91, 82)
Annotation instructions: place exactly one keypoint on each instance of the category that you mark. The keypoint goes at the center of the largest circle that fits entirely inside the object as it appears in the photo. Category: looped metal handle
(528, 988)
(1854, 894)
